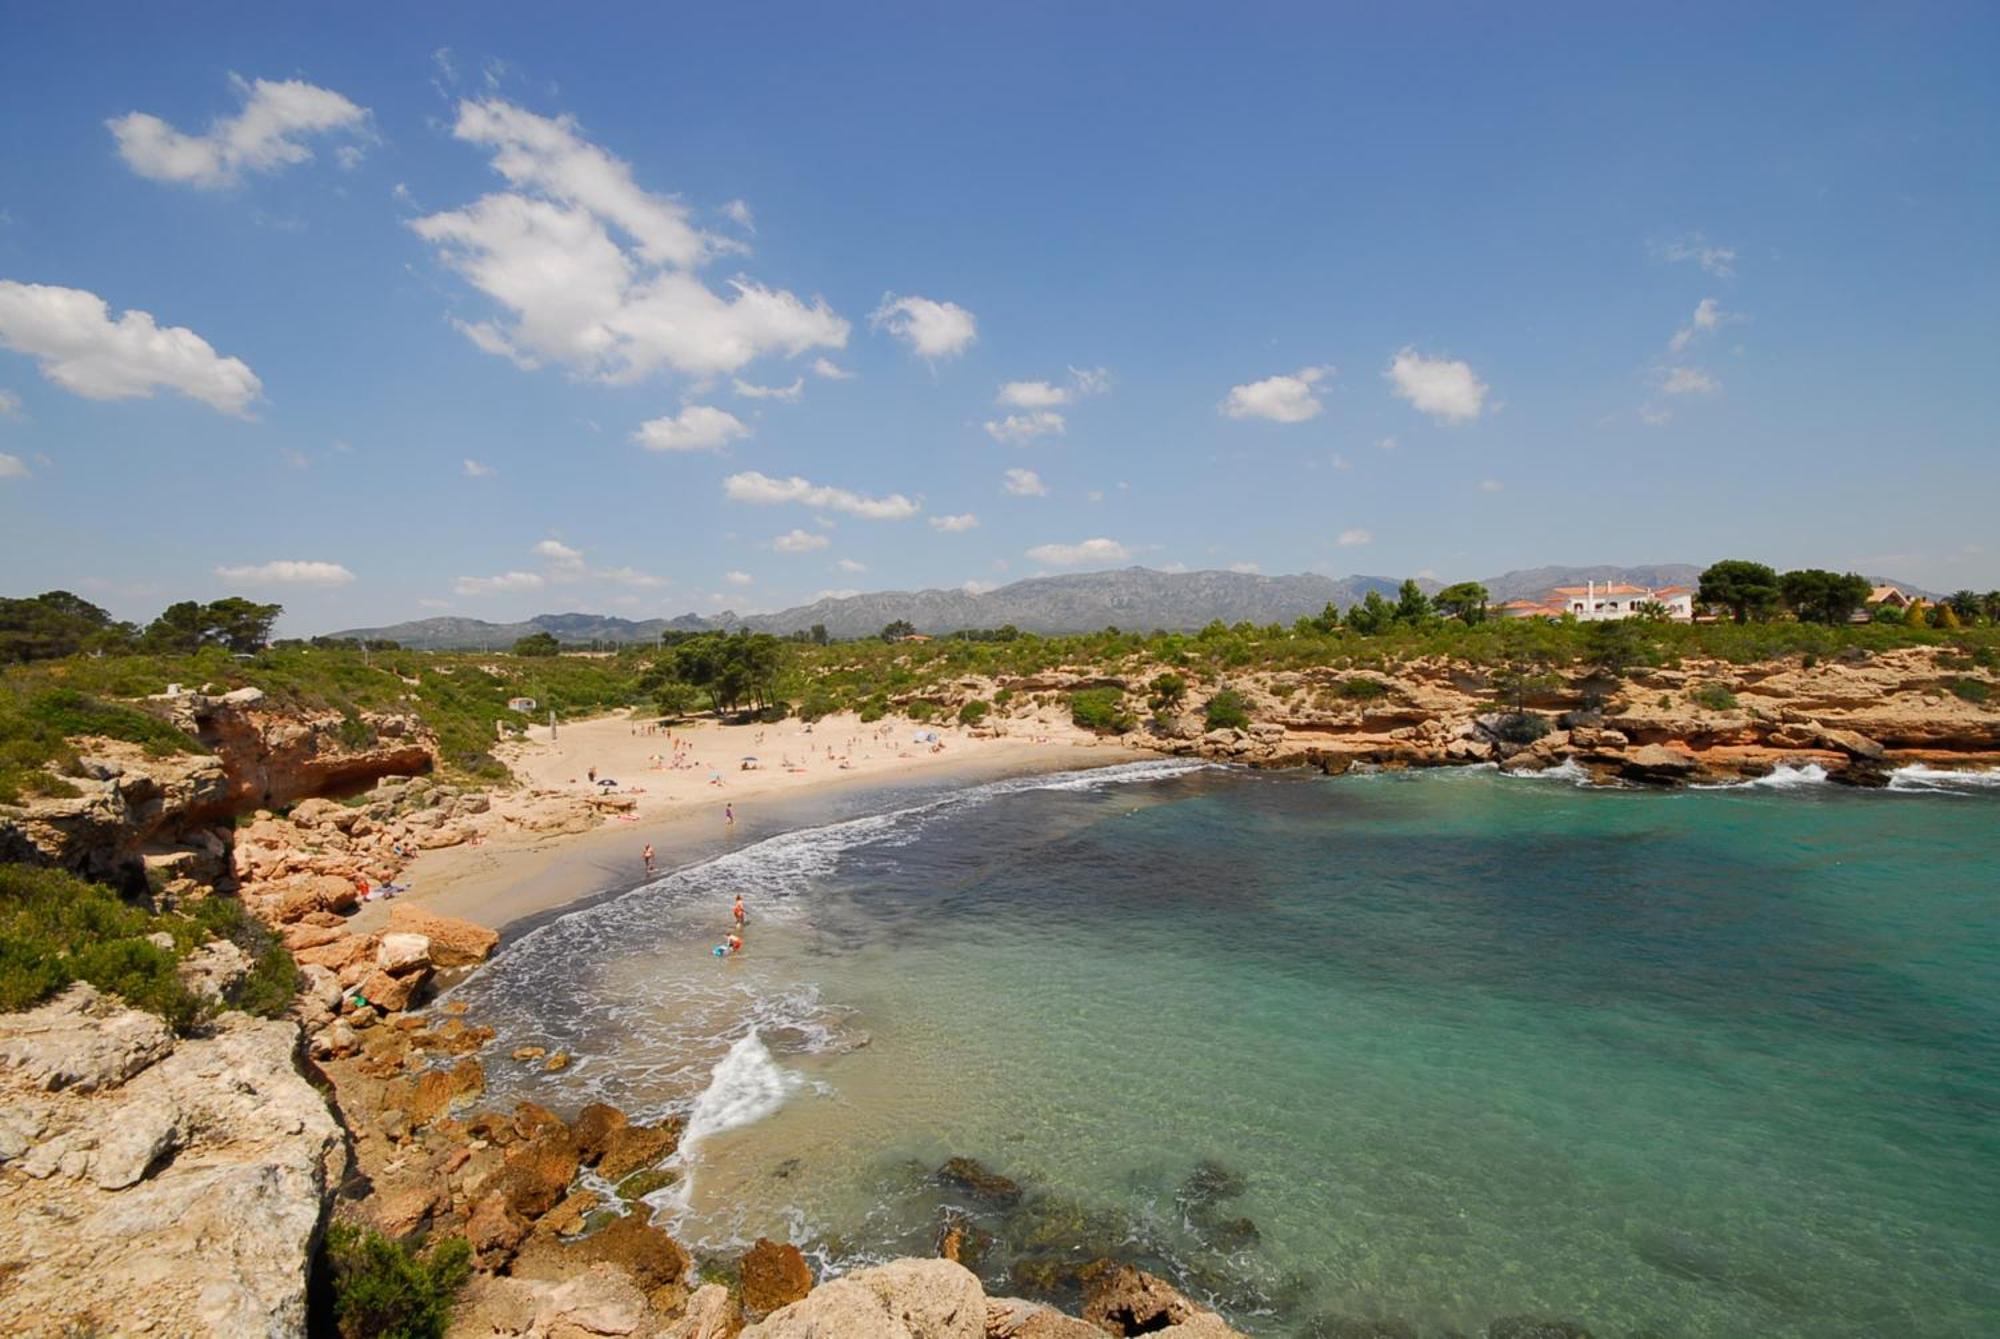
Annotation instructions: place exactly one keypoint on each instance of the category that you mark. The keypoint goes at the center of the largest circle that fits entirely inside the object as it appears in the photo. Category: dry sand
(681, 780)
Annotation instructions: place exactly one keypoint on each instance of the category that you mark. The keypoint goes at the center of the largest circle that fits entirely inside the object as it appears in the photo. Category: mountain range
(1136, 598)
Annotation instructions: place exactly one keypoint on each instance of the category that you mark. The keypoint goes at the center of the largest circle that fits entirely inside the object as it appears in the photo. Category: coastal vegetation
(56, 928)
(382, 1289)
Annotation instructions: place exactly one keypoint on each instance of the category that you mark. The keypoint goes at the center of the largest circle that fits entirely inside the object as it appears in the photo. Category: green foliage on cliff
(56, 928)
(382, 1290)
(1227, 710)
(1100, 709)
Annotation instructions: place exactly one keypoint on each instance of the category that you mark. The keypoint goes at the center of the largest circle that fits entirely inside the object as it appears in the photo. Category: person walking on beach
(738, 912)
(729, 814)
(647, 856)
(592, 774)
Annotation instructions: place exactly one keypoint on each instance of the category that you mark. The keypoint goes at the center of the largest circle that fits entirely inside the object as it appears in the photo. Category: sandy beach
(697, 789)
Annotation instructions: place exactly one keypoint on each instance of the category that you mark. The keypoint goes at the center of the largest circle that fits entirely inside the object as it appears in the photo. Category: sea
(1388, 1053)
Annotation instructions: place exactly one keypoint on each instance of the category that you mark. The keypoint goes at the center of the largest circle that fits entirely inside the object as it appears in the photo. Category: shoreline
(516, 878)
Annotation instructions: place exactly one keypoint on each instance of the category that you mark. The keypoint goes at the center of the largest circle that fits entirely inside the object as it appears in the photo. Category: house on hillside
(1592, 603)
(1527, 609)
(1891, 596)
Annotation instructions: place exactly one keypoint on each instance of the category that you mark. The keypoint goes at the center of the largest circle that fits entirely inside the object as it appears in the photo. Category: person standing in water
(647, 856)
(738, 912)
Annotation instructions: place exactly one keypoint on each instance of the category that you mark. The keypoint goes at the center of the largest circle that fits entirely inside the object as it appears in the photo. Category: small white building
(1592, 603)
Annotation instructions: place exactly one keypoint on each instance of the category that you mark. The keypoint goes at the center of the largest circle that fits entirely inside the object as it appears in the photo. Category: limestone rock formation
(905, 1299)
(148, 1184)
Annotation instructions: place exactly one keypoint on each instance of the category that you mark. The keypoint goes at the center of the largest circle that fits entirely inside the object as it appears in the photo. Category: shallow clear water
(1717, 1062)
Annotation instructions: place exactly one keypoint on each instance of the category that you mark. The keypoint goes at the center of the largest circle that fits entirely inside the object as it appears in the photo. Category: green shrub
(874, 709)
(921, 710)
(1972, 690)
(55, 928)
(1360, 688)
(818, 704)
(1100, 709)
(382, 1290)
(1522, 727)
(1713, 697)
(973, 712)
(1227, 710)
(354, 733)
(1003, 697)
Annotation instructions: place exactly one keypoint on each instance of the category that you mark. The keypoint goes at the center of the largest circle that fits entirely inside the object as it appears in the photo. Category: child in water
(738, 912)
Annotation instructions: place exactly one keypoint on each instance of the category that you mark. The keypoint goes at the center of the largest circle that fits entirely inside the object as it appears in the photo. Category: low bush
(1713, 697)
(1522, 727)
(56, 928)
(973, 712)
(1361, 688)
(1100, 709)
(921, 710)
(382, 1290)
(1227, 710)
(874, 709)
(1972, 690)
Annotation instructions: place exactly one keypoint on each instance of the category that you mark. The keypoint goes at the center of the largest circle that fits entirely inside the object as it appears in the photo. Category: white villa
(1592, 603)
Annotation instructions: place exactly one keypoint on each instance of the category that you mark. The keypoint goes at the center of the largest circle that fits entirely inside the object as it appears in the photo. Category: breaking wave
(1922, 778)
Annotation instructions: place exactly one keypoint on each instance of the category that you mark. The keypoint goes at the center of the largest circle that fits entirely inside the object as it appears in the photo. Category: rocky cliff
(1857, 718)
(144, 822)
(149, 1185)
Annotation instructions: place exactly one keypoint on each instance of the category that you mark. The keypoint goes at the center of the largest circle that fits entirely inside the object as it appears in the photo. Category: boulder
(905, 1299)
(1128, 1301)
(401, 954)
(600, 1301)
(453, 942)
(651, 1257)
(1656, 762)
(710, 1314)
(214, 969)
(391, 992)
(773, 1276)
(595, 1125)
(440, 1090)
(1014, 1318)
(538, 1172)
(494, 1230)
(632, 1148)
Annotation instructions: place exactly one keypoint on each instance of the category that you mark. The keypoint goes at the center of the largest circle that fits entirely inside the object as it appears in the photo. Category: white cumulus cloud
(932, 329)
(1032, 395)
(506, 581)
(1023, 428)
(799, 541)
(71, 336)
(1354, 539)
(476, 469)
(1073, 555)
(1286, 398)
(1444, 388)
(750, 391)
(12, 467)
(850, 565)
(287, 572)
(1024, 483)
(832, 371)
(10, 405)
(953, 525)
(266, 135)
(698, 427)
(617, 309)
(763, 490)
(558, 552)
(1708, 317)
(738, 578)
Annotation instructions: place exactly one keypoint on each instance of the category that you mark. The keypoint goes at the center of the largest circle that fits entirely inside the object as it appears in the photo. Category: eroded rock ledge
(149, 1185)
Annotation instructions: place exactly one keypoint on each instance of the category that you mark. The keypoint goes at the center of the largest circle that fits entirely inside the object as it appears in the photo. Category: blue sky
(1422, 289)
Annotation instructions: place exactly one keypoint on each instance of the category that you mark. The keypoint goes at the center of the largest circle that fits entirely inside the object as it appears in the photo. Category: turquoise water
(1456, 1046)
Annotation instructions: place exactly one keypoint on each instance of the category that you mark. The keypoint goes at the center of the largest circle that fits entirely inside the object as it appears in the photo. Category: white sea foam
(747, 1086)
(1569, 769)
(1924, 778)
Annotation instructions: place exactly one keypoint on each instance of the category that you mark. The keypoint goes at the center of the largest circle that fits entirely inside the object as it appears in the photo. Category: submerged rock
(973, 1177)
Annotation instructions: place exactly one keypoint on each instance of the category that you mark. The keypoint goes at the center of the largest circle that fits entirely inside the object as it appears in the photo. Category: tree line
(58, 623)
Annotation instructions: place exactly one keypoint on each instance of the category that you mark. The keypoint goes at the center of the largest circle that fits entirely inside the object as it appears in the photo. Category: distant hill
(1135, 598)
